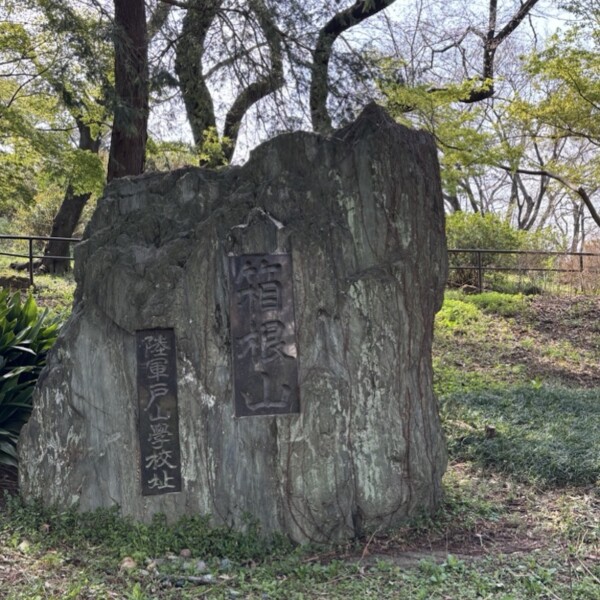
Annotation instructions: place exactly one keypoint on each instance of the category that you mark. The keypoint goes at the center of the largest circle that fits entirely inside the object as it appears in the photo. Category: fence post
(31, 262)
(479, 272)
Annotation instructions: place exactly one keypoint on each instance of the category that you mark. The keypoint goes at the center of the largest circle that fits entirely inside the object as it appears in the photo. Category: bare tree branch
(158, 18)
(579, 190)
(179, 4)
(188, 66)
(230, 60)
(338, 24)
(491, 42)
(515, 21)
(263, 86)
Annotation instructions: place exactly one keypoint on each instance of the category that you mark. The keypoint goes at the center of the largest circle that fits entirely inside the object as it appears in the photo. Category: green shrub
(474, 231)
(457, 314)
(26, 335)
(506, 305)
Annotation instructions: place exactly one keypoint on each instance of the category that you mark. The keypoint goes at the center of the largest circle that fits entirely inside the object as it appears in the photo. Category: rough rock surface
(361, 213)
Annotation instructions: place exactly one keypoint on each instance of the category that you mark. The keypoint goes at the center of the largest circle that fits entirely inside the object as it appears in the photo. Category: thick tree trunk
(193, 81)
(336, 26)
(129, 132)
(269, 78)
(63, 226)
(189, 68)
(69, 213)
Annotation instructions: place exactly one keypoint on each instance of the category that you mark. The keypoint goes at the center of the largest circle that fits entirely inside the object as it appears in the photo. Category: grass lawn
(519, 386)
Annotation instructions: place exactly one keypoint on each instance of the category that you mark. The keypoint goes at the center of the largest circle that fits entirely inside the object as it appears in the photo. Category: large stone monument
(255, 340)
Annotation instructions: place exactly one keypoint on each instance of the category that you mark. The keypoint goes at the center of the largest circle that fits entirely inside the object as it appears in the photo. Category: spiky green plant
(26, 335)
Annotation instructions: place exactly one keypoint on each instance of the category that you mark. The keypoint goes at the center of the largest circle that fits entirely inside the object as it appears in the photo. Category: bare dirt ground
(570, 326)
(555, 340)
(526, 520)
(14, 282)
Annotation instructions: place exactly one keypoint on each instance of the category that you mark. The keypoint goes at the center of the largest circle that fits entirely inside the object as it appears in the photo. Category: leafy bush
(505, 305)
(474, 231)
(457, 314)
(26, 335)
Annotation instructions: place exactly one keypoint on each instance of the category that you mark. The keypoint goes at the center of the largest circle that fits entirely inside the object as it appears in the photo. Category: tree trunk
(319, 81)
(69, 213)
(453, 202)
(129, 132)
(188, 66)
(578, 214)
(63, 226)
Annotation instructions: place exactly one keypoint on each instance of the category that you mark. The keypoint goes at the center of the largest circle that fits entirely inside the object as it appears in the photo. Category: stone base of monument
(255, 341)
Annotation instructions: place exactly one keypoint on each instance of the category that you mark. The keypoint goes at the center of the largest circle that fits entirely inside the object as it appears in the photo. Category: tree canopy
(529, 151)
(509, 89)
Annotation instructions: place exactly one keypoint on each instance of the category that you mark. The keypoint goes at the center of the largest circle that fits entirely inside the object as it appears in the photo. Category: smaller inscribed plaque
(158, 419)
(265, 364)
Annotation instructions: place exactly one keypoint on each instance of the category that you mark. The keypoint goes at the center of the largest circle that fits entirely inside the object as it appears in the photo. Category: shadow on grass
(549, 437)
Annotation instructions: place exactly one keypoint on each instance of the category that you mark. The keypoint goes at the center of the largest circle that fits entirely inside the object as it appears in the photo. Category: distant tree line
(514, 109)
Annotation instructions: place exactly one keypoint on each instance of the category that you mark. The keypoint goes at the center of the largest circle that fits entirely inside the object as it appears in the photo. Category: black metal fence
(581, 267)
(576, 269)
(31, 255)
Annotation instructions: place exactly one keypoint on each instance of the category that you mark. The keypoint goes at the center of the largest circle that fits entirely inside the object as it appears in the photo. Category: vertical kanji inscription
(263, 335)
(158, 418)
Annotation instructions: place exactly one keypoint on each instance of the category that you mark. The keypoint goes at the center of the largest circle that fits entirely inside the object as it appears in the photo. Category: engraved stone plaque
(158, 418)
(263, 335)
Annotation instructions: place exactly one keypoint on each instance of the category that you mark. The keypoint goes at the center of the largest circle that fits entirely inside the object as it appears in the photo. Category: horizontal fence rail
(30, 256)
(480, 262)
